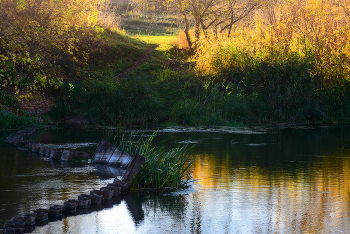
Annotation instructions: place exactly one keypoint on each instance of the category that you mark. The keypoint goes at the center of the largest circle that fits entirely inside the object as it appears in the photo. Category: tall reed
(162, 169)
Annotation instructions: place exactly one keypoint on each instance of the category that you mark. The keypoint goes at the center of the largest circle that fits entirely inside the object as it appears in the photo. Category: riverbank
(118, 78)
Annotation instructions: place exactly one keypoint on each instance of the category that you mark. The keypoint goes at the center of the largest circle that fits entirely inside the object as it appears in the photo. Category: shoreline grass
(162, 170)
(10, 121)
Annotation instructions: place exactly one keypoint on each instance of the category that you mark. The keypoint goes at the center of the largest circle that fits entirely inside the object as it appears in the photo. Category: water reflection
(282, 181)
(106, 172)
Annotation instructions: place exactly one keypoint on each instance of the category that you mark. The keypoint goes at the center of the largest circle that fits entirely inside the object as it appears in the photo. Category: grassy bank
(9, 121)
(281, 71)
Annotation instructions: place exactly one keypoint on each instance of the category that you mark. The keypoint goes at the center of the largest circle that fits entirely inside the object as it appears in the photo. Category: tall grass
(296, 66)
(162, 169)
(11, 121)
(130, 102)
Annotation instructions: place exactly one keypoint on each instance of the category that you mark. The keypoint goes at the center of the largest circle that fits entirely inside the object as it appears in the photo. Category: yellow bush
(36, 34)
(318, 28)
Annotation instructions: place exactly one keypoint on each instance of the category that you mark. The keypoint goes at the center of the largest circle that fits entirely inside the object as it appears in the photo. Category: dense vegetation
(296, 68)
(9, 120)
(287, 62)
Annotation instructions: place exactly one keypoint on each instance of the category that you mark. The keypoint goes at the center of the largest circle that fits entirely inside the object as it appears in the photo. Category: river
(246, 180)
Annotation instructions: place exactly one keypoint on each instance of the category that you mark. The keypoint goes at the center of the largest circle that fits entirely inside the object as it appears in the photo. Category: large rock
(15, 139)
(27, 132)
(68, 155)
(70, 205)
(35, 147)
(29, 219)
(41, 214)
(48, 152)
(116, 190)
(95, 199)
(120, 184)
(84, 203)
(106, 193)
(56, 210)
(55, 154)
(43, 149)
(16, 225)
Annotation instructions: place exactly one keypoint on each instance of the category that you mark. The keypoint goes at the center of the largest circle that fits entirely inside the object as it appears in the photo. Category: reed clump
(162, 170)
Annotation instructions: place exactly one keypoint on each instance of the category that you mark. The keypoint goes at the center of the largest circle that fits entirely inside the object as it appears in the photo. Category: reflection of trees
(301, 184)
(280, 147)
(301, 181)
(196, 214)
(155, 202)
(314, 198)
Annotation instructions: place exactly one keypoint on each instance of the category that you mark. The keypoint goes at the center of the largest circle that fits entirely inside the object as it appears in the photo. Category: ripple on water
(237, 130)
(71, 145)
(189, 142)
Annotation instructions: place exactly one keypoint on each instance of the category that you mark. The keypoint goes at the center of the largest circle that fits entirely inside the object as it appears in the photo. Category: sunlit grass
(164, 42)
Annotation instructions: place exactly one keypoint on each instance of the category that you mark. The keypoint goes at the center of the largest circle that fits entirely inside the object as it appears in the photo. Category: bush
(37, 34)
(9, 120)
(296, 66)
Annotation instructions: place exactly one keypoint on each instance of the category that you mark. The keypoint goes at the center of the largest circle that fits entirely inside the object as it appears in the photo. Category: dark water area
(247, 180)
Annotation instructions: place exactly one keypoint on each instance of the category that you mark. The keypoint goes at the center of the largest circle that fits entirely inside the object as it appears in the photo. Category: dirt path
(137, 63)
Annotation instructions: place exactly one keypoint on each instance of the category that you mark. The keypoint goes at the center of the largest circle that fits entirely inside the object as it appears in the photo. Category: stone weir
(19, 139)
(105, 153)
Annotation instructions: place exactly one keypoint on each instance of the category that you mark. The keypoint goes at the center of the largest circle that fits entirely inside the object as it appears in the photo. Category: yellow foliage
(36, 34)
(317, 27)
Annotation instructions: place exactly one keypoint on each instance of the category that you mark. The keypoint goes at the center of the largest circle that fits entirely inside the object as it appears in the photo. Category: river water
(247, 180)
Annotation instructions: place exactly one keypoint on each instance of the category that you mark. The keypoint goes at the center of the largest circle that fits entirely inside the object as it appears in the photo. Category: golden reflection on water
(290, 181)
(312, 199)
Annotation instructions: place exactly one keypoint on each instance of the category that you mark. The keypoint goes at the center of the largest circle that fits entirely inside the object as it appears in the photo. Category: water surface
(257, 180)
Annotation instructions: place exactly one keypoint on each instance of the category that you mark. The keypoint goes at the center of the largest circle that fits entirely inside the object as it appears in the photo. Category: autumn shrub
(297, 64)
(40, 39)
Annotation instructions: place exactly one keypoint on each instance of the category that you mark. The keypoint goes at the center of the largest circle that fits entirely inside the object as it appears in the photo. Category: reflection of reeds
(161, 169)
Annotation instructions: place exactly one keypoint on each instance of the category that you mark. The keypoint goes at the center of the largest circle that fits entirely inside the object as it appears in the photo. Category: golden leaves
(35, 34)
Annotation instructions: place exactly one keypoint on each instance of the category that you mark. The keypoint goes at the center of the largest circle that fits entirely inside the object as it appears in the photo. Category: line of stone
(26, 223)
(18, 139)
(40, 217)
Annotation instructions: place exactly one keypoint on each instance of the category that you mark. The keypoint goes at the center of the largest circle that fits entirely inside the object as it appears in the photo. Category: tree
(208, 16)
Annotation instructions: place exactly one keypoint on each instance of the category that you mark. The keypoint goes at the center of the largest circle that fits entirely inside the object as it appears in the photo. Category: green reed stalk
(162, 169)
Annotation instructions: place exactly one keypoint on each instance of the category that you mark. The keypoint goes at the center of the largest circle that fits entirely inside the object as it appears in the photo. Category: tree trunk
(187, 26)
